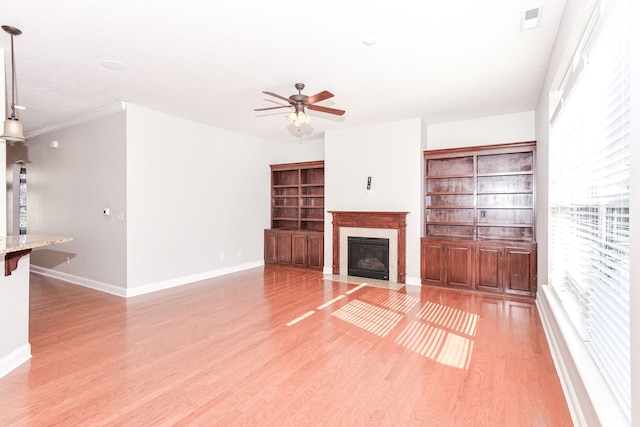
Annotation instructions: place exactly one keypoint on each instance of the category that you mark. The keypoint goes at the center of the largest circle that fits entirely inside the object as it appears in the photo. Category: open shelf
(297, 196)
(481, 187)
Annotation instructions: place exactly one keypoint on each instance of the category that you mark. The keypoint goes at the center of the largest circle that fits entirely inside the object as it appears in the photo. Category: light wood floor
(282, 347)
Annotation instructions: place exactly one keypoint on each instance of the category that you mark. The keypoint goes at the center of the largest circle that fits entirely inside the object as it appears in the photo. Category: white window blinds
(589, 194)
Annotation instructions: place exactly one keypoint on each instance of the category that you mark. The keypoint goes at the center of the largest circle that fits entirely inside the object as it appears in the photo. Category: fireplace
(382, 225)
(368, 257)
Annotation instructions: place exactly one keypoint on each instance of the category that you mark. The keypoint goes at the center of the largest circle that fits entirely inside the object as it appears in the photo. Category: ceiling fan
(300, 101)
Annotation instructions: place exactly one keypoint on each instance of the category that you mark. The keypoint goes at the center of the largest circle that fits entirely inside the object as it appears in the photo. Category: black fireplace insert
(368, 257)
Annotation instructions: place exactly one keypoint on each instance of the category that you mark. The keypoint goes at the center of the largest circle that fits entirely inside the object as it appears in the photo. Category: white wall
(516, 127)
(194, 192)
(391, 154)
(67, 189)
(305, 150)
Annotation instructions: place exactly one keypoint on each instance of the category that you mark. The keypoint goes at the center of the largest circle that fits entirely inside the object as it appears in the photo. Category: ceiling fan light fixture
(13, 130)
(299, 118)
(303, 118)
(299, 102)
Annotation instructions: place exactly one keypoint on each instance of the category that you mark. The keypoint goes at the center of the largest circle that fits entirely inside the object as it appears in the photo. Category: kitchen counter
(15, 247)
(9, 244)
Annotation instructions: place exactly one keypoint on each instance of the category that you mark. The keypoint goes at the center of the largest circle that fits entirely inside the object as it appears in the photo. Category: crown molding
(107, 110)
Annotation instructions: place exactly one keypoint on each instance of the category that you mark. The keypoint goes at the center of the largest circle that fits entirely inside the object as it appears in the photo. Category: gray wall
(67, 188)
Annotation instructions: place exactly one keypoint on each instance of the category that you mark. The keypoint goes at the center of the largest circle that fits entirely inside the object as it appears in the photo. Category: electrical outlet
(221, 255)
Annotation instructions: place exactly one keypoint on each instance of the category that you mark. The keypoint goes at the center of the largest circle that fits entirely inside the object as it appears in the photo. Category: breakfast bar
(14, 296)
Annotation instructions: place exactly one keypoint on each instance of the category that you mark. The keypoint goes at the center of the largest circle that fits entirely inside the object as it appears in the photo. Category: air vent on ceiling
(530, 18)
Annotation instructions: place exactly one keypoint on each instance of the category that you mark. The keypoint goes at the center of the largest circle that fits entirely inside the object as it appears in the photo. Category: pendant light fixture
(12, 127)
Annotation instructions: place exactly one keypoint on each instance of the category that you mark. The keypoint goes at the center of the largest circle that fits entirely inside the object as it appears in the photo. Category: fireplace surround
(386, 225)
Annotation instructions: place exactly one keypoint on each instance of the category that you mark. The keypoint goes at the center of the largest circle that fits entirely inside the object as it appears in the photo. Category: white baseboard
(14, 359)
(144, 289)
(153, 287)
(82, 281)
(413, 281)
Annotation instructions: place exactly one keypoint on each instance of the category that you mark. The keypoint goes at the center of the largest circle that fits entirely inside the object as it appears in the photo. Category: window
(589, 194)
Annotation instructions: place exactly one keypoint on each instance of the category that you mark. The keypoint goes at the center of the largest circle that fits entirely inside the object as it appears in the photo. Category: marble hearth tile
(367, 281)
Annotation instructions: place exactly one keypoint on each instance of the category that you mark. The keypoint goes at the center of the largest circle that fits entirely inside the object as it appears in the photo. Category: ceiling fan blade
(278, 96)
(272, 108)
(321, 96)
(326, 109)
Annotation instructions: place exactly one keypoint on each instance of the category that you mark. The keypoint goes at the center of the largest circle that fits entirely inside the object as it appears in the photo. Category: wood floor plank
(277, 346)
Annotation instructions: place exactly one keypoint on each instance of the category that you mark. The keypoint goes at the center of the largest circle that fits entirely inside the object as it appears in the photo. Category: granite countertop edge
(9, 244)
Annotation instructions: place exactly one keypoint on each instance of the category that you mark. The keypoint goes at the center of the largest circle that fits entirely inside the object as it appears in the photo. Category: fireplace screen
(368, 257)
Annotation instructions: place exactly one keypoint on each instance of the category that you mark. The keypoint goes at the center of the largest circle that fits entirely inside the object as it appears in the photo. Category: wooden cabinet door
(432, 263)
(294, 248)
(490, 267)
(284, 248)
(459, 265)
(520, 270)
(299, 250)
(270, 247)
(315, 252)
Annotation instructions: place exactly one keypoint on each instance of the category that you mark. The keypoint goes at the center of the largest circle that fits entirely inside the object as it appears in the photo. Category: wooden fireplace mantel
(364, 219)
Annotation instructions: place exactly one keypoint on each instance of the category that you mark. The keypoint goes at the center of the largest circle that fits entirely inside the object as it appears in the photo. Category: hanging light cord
(14, 88)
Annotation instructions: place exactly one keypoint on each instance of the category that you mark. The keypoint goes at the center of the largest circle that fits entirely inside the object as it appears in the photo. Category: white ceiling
(209, 61)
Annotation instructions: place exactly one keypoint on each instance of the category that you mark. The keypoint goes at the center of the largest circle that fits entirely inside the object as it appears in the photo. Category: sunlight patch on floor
(449, 318)
(371, 318)
(362, 285)
(299, 318)
(437, 344)
(443, 334)
(328, 303)
(390, 299)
